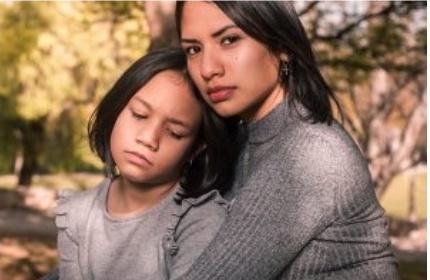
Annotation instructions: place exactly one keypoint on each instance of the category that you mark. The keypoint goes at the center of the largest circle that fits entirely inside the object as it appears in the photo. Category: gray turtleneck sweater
(303, 207)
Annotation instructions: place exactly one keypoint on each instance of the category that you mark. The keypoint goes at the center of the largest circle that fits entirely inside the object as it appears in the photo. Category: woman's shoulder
(325, 156)
(325, 141)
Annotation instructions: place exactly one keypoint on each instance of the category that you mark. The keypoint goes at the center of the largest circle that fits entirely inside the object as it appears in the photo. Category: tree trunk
(161, 20)
(32, 135)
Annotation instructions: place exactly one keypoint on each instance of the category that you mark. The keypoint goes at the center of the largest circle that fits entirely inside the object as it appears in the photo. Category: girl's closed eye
(175, 134)
(138, 115)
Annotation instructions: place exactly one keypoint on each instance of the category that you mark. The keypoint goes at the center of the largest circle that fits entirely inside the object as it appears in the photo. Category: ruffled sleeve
(192, 227)
(67, 238)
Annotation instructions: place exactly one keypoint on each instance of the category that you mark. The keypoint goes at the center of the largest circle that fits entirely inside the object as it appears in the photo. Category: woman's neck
(263, 108)
(126, 197)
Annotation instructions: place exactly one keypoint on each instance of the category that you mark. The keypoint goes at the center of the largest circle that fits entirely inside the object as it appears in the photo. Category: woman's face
(236, 74)
(154, 134)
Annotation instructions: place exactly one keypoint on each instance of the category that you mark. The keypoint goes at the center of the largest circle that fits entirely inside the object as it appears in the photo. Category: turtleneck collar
(269, 126)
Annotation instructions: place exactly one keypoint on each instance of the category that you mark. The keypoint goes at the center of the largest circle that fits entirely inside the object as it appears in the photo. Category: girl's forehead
(168, 91)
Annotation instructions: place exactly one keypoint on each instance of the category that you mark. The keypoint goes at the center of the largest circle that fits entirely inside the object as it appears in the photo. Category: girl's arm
(70, 216)
(290, 199)
(68, 256)
(67, 244)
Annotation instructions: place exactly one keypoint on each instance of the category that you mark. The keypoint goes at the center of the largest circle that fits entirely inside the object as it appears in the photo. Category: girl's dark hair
(277, 26)
(209, 169)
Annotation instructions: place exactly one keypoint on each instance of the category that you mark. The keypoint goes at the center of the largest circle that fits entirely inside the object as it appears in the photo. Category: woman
(302, 202)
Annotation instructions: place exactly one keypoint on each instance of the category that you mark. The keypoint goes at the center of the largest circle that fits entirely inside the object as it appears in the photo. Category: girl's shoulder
(210, 205)
(207, 211)
(73, 207)
(193, 226)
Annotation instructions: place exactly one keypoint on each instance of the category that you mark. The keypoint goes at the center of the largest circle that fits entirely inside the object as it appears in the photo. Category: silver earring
(285, 70)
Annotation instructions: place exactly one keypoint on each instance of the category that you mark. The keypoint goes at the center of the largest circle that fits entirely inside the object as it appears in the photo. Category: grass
(75, 181)
(413, 270)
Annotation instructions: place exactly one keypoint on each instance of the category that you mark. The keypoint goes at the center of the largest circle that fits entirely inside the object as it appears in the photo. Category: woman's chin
(226, 109)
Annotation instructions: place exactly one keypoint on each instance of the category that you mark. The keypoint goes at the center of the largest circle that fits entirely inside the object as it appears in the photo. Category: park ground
(27, 233)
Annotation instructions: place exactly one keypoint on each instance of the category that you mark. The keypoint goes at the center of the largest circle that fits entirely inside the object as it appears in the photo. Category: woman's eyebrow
(222, 30)
(215, 34)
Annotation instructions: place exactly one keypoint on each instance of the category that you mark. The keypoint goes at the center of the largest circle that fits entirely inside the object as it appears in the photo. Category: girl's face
(236, 74)
(154, 134)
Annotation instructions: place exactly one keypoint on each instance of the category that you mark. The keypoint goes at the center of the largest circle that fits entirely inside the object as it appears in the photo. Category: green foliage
(59, 59)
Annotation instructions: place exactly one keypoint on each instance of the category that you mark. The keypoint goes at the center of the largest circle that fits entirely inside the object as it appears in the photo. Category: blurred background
(59, 58)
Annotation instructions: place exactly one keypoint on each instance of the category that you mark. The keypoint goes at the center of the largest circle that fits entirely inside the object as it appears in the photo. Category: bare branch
(311, 5)
(348, 28)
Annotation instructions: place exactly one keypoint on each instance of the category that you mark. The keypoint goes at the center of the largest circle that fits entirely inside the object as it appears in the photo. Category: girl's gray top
(303, 207)
(160, 243)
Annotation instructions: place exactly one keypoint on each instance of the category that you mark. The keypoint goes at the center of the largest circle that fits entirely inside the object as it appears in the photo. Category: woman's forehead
(202, 17)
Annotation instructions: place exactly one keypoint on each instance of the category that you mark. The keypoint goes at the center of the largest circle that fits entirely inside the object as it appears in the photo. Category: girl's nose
(149, 136)
(210, 65)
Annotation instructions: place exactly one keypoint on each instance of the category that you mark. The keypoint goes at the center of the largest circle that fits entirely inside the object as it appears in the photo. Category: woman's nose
(149, 136)
(210, 65)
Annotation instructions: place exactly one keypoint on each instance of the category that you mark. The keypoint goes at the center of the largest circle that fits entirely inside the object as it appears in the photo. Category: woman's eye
(228, 40)
(192, 50)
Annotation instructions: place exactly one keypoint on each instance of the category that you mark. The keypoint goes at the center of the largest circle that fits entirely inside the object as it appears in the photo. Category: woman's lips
(220, 94)
(138, 158)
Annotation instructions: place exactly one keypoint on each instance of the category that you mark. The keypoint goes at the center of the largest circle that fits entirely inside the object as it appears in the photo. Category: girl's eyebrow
(215, 34)
(169, 119)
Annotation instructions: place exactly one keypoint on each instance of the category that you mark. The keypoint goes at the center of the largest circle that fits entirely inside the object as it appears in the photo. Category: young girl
(152, 132)
(303, 205)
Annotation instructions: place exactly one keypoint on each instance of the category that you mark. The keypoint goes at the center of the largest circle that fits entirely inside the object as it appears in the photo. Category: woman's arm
(289, 200)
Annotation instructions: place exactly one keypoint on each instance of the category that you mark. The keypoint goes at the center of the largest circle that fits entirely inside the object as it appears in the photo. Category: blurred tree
(60, 58)
(20, 27)
(161, 22)
(374, 54)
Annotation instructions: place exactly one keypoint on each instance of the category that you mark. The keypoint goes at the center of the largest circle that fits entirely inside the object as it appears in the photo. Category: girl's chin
(135, 176)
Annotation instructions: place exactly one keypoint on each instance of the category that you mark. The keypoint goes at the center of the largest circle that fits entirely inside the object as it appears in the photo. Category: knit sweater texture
(303, 207)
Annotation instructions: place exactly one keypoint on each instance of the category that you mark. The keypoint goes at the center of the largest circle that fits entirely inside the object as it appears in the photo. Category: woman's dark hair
(277, 26)
(209, 169)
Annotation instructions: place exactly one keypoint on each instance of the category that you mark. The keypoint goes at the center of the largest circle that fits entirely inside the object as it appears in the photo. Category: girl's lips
(138, 158)
(220, 94)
